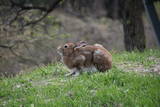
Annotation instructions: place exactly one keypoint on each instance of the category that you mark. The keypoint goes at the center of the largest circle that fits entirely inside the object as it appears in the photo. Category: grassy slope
(47, 86)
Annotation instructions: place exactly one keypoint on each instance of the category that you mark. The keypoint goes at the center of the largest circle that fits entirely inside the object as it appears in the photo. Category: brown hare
(101, 58)
(80, 56)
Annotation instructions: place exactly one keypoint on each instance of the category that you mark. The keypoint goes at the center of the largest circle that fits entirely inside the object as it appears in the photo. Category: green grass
(48, 87)
(146, 58)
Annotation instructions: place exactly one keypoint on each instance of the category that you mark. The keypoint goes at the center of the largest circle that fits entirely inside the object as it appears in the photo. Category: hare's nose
(59, 47)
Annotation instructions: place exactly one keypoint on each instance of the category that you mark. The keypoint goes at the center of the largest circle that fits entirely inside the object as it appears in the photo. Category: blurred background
(31, 30)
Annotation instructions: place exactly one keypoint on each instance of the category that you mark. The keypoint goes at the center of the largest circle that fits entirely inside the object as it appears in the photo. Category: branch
(14, 43)
(36, 21)
(23, 7)
(6, 46)
(15, 18)
(45, 9)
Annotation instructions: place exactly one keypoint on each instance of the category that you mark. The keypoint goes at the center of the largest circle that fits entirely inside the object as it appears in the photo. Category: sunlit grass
(48, 87)
(146, 58)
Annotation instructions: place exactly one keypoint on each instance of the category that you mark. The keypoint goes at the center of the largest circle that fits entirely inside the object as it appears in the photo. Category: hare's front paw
(76, 74)
(73, 72)
(69, 74)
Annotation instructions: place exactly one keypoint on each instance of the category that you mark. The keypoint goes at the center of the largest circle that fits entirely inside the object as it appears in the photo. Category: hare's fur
(83, 57)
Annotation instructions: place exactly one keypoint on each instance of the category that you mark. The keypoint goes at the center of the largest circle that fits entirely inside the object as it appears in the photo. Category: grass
(148, 58)
(48, 87)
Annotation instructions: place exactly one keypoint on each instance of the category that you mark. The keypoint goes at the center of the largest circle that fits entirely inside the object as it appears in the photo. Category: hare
(102, 59)
(80, 56)
(73, 60)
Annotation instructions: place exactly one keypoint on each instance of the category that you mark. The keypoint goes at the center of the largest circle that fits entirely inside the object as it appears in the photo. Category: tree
(133, 25)
(16, 15)
(14, 10)
(130, 13)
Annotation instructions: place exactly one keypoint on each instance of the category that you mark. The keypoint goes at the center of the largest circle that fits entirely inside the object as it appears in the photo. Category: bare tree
(134, 37)
(16, 15)
(130, 13)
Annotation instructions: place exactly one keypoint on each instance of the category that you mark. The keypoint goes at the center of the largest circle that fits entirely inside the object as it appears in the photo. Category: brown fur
(102, 60)
(69, 57)
(81, 55)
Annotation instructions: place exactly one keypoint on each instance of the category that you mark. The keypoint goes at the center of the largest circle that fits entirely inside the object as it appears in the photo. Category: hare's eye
(65, 46)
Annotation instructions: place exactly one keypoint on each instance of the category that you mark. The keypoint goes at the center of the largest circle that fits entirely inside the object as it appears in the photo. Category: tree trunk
(130, 11)
(134, 37)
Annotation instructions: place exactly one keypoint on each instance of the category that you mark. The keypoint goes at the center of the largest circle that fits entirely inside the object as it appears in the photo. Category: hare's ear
(83, 42)
(76, 48)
